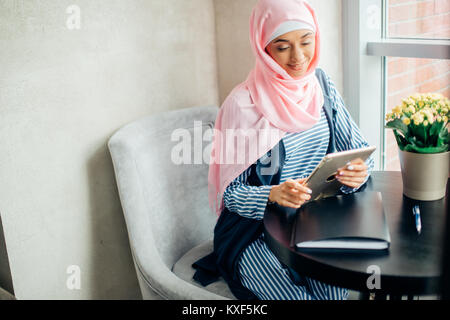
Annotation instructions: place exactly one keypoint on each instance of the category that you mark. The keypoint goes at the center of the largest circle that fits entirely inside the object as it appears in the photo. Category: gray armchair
(169, 222)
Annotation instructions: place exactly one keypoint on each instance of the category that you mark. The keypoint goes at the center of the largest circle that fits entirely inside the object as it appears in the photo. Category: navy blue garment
(233, 232)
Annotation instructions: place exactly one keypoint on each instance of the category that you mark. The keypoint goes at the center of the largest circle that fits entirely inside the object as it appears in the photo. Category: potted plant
(420, 126)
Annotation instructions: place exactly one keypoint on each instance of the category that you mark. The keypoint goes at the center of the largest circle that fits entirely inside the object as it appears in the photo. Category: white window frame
(365, 48)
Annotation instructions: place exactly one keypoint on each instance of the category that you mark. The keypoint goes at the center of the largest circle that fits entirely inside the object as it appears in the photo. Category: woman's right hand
(291, 193)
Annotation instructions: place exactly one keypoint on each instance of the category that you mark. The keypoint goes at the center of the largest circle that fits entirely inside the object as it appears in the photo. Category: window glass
(406, 76)
(424, 19)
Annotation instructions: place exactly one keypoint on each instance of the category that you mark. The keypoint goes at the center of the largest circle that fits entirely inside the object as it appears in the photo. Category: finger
(351, 182)
(305, 197)
(297, 188)
(302, 187)
(297, 197)
(304, 184)
(357, 164)
(357, 161)
(351, 173)
(352, 185)
(287, 203)
(291, 183)
(350, 178)
(357, 181)
(360, 161)
(290, 198)
(356, 167)
(354, 177)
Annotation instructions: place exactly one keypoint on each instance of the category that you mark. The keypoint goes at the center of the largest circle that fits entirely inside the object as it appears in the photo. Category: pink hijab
(278, 103)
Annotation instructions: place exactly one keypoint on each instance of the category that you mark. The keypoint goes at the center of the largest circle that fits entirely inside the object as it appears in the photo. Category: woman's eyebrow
(281, 40)
(304, 36)
(307, 34)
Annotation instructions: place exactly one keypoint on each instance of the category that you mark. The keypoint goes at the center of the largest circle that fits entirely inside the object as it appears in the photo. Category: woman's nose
(297, 55)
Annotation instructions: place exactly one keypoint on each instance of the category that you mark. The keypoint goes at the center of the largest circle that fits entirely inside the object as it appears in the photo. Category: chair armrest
(170, 287)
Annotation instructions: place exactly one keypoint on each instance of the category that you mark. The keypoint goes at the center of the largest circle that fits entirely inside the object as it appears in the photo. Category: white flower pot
(424, 175)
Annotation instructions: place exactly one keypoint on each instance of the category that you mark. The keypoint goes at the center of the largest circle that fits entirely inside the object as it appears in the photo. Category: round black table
(413, 264)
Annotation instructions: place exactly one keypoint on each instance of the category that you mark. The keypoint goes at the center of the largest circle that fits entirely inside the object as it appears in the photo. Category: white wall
(62, 95)
(64, 92)
(234, 54)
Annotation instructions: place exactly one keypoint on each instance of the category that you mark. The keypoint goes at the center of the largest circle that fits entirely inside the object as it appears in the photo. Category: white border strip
(410, 48)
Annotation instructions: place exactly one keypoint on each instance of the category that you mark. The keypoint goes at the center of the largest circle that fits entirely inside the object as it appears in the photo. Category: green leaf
(425, 134)
(436, 128)
(418, 132)
(398, 125)
(401, 141)
(414, 148)
(443, 137)
(415, 142)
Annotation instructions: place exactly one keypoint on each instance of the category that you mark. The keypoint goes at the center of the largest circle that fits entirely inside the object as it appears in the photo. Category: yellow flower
(434, 111)
(418, 118)
(424, 108)
(428, 113)
(436, 96)
(397, 109)
(388, 116)
(416, 96)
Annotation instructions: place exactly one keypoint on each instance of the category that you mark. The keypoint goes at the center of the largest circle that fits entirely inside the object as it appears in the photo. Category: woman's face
(293, 51)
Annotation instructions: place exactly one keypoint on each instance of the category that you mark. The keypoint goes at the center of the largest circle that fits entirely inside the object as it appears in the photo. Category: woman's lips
(296, 67)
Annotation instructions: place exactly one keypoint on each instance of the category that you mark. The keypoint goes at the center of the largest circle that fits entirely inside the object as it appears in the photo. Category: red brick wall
(406, 76)
(419, 18)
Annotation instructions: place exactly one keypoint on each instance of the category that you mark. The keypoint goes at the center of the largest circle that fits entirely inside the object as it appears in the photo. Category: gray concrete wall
(63, 92)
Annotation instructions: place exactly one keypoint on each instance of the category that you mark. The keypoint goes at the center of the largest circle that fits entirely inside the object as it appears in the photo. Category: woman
(299, 117)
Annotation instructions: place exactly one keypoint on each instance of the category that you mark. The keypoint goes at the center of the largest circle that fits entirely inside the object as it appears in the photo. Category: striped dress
(260, 271)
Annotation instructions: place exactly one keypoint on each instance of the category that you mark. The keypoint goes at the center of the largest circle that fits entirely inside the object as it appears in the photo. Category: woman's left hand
(353, 174)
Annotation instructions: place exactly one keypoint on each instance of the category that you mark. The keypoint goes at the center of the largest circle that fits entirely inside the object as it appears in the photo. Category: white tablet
(323, 182)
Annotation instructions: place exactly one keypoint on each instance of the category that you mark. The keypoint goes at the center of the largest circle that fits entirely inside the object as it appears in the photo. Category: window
(392, 49)
(425, 19)
(406, 76)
